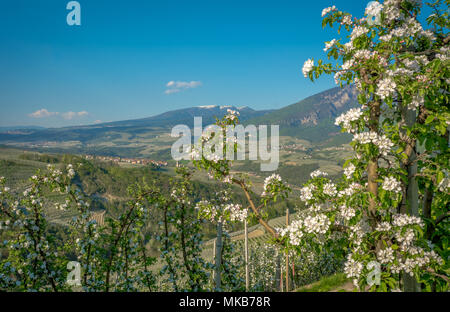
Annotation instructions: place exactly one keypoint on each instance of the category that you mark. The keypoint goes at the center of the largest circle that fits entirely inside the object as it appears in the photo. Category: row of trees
(114, 256)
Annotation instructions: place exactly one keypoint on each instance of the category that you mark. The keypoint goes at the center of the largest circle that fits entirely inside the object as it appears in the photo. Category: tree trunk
(410, 202)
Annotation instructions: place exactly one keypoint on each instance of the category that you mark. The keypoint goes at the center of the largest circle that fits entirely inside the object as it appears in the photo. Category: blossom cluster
(391, 184)
(221, 211)
(268, 184)
(306, 193)
(328, 10)
(318, 173)
(386, 87)
(358, 31)
(273, 187)
(307, 67)
(374, 8)
(232, 115)
(444, 54)
(330, 189)
(353, 268)
(347, 212)
(350, 190)
(318, 224)
(444, 185)
(349, 170)
(328, 45)
(347, 118)
(402, 220)
(383, 143)
(237, 213)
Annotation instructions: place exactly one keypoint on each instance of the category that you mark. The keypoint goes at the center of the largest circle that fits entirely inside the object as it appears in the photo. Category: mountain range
(313, 118)
(310, 119)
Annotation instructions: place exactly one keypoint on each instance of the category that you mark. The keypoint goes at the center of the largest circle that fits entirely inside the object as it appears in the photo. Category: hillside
(313, 118)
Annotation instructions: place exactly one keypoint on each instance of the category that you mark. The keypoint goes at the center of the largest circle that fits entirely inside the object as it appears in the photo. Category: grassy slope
(337, 282)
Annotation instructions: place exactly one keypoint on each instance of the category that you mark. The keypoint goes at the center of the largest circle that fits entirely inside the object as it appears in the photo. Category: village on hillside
(132, 161)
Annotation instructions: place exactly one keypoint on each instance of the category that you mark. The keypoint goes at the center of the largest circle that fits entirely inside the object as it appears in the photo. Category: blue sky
(117, 64)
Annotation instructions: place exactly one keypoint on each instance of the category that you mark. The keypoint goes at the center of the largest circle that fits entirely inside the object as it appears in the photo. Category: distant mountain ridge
(97, 132)
(311, 119)
(186, 116)
(20, 128)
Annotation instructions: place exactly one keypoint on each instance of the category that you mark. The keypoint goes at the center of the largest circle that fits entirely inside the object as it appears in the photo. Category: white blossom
(416, 101)
(374, 9)
(236, 212)
(358, 31)
(329, 189)
(347, 20)
(316, 224)
(383, 143)
(385, 256)
(349, 170)
(328, 45)
(402, 220)
(232, 115)
(328, 10)
(348, 117)
(268, 184)
(347, 212)
(307, 67)
(306, 193)
(383, 227)
(353, 268)
(318, 173)
(386, 87)
(444, 53)
(391, 184)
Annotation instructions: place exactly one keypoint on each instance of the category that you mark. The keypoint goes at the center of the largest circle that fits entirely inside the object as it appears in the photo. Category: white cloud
(72, 115)
(42, 113)
(178, 86)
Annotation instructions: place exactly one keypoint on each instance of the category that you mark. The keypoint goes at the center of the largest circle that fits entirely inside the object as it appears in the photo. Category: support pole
(247, 272)
(287, 254)
(218, 258)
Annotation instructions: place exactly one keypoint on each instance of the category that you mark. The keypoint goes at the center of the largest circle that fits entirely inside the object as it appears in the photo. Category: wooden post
(287, 254)
(218, 257)
(213, 275)
(281, 280)
(278, 278)
(247, 272)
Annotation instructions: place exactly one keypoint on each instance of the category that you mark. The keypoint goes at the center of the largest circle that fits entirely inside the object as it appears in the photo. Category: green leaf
(429, 119)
